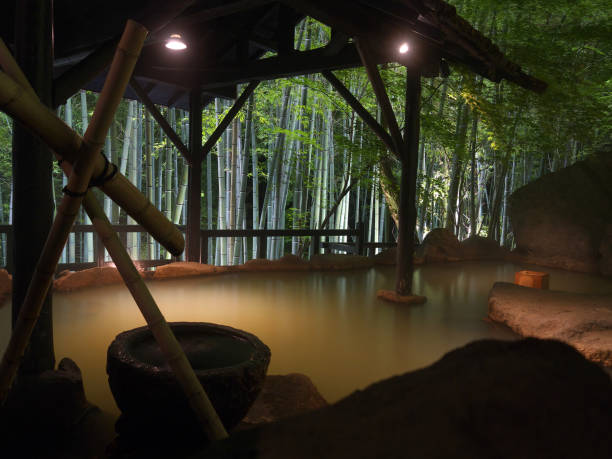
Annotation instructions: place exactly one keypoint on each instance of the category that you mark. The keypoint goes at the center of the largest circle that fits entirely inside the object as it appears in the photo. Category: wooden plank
(381, 96)
(360, 110)
(161, 121)
(214, 137)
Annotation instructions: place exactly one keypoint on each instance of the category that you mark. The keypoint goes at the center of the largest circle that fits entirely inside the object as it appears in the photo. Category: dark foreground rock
(563, 219)
(583, 321)
(490, 399)
(44, 408)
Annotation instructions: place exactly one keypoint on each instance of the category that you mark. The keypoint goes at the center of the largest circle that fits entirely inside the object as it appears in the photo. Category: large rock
(482, 248)
(440, 244)
(502, 399)
(184, 269)
(93, 277)
(561, 219)
(584, 321)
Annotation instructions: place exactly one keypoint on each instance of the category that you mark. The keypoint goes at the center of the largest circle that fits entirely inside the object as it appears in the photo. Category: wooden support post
(360, 238)
(161, 121)
(316, 245)
(407, 210)
(32, 165)
(192, 240)
(262, 246)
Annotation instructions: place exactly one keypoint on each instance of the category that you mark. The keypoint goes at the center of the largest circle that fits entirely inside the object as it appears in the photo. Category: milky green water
(328, 325)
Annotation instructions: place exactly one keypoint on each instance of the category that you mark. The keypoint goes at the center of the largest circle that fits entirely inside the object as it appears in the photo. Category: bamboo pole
(18, 100)
(93, 141)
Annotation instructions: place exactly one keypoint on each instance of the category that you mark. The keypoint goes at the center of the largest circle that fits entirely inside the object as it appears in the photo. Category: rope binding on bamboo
(98, 181)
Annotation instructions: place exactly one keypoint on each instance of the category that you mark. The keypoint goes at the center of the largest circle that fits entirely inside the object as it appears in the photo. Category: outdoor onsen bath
(305, 229)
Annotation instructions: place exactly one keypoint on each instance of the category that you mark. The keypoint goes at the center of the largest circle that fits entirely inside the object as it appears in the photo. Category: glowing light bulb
(404, 48)
(175, 42)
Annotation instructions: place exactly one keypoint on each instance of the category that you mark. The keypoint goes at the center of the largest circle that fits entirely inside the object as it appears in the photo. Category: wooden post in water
(405, 149)
(407, 206)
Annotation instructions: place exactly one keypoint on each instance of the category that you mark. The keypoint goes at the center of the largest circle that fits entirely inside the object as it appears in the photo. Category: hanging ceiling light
(175, 42)
(404, 48)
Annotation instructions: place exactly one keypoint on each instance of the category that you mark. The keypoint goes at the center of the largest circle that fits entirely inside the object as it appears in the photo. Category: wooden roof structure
(228, 39)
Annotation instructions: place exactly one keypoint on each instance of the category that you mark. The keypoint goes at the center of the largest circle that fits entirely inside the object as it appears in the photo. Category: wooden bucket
(533, 279)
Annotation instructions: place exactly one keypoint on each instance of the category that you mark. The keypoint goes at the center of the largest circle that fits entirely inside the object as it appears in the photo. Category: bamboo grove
(298, 157)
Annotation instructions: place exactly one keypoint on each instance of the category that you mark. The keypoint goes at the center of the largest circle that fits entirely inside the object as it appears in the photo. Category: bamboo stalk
(18, 100)
(121, 69)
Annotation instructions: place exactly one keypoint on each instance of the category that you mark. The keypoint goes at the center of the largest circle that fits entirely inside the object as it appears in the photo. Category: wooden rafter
(360, 110)
(161, 121)
(227, 9)
(381, 96)
(86, 70)
(69, 82)
(214, 137)
(297, 63)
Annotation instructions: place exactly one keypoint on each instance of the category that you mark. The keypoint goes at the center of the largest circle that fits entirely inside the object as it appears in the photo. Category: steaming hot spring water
(327, 325)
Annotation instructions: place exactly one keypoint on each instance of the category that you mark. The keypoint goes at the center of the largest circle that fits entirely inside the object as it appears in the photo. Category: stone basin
(231, 364)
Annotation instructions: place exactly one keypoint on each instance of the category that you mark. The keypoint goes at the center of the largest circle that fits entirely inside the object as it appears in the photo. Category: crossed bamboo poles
(81, 162)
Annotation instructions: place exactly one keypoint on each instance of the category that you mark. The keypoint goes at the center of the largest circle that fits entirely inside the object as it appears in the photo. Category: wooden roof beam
(298, 63)
(161, 121)
(77, 76)
(227, 9)
(86, 70)
(360, 110)
(381, 96)
(227, 119)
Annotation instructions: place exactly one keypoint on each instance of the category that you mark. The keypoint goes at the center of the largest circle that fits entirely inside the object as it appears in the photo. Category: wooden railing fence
(357, 244)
